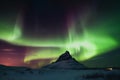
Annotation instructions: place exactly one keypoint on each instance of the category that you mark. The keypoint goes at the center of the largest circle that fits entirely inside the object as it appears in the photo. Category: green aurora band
(93, 41)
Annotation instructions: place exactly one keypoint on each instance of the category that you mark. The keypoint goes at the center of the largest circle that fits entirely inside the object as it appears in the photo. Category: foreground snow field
(54, 74)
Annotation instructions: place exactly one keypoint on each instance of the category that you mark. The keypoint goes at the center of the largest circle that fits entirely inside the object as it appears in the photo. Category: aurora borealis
(40, 31)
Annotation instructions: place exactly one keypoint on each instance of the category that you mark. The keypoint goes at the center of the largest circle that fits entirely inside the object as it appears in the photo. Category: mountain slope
(65, 61)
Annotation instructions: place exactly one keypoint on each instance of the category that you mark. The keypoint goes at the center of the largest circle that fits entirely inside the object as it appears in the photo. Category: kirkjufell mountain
(64, 68)
(65, 61)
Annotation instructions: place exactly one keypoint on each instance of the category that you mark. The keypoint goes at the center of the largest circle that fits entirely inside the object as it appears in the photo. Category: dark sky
(46, 24)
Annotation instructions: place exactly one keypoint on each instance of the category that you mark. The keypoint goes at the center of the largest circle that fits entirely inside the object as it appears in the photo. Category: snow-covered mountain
(65, 61)
(65, 68)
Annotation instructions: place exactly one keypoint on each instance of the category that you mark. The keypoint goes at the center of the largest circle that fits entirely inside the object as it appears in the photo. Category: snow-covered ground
(59, 74)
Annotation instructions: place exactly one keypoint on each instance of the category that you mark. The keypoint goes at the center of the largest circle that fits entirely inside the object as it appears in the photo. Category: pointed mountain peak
(65, 56)
(65, 61)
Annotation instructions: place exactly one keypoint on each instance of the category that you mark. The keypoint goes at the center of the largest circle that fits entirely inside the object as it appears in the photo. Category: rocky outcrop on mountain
(65, 61)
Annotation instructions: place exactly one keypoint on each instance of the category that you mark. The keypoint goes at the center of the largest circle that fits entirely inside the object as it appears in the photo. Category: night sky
(34, 33)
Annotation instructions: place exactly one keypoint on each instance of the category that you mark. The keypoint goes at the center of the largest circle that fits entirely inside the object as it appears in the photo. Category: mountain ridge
(65, 61)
